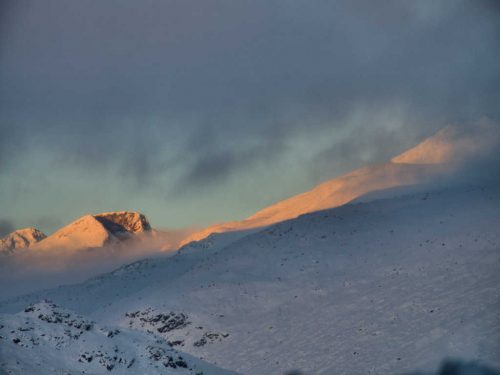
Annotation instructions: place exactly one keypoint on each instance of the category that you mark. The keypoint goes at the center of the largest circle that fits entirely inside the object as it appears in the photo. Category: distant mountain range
(89, 231)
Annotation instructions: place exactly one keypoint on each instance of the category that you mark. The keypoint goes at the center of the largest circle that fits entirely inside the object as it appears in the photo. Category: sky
(195, 112)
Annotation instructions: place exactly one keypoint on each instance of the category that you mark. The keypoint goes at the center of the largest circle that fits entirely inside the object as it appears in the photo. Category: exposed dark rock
(210, 337)
(175, 343)
(163, 322)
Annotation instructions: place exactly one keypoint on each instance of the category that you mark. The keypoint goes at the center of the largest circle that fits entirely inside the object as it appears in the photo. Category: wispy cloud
(183, 94)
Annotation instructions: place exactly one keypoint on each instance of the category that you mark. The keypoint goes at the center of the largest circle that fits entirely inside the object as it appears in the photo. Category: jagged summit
(94, 231)
(20, 239)
(124, 221)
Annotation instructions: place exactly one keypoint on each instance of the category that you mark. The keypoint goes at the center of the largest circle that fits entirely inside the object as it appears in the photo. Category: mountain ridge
(436, 156)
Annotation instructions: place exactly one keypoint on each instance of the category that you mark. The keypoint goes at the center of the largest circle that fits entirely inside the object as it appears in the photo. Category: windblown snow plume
(454, 145)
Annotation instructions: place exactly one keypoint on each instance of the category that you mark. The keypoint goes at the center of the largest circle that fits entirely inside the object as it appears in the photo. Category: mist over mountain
(86, 247)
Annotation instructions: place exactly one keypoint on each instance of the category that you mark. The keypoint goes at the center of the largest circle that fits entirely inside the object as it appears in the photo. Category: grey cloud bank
(202, 111)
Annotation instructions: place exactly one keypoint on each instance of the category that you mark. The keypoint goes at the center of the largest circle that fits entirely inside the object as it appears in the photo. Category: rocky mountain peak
(20, 239)
(95, 231)
(124, 221)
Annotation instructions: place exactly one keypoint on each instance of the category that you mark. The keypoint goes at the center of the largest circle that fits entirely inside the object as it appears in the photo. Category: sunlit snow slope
(435, 156)
(432, 158)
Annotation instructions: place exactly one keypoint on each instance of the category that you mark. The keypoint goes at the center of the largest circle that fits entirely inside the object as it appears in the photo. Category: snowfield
(382, 286)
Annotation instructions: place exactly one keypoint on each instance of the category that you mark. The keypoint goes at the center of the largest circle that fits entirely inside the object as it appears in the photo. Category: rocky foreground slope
(47, 339)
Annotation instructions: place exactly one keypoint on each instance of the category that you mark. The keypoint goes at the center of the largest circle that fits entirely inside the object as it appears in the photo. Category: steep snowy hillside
(436, 156)
(388, 286)
(21, 239)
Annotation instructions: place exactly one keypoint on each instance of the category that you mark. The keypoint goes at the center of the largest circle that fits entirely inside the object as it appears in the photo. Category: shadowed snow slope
(388, 286)
(20, 239)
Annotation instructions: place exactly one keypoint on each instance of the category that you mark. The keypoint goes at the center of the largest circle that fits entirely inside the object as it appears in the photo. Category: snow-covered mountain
(384, 286)
(21, 239)
(87, 247)
(89, 231)
(388, 280)
(95, 231)
(436, 156)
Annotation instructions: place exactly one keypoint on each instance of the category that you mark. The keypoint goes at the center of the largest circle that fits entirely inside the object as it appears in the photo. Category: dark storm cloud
(114, 84)
(208, 164)
(6, 226)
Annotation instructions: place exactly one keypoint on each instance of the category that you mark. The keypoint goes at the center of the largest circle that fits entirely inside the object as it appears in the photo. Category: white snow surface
(386, 286)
